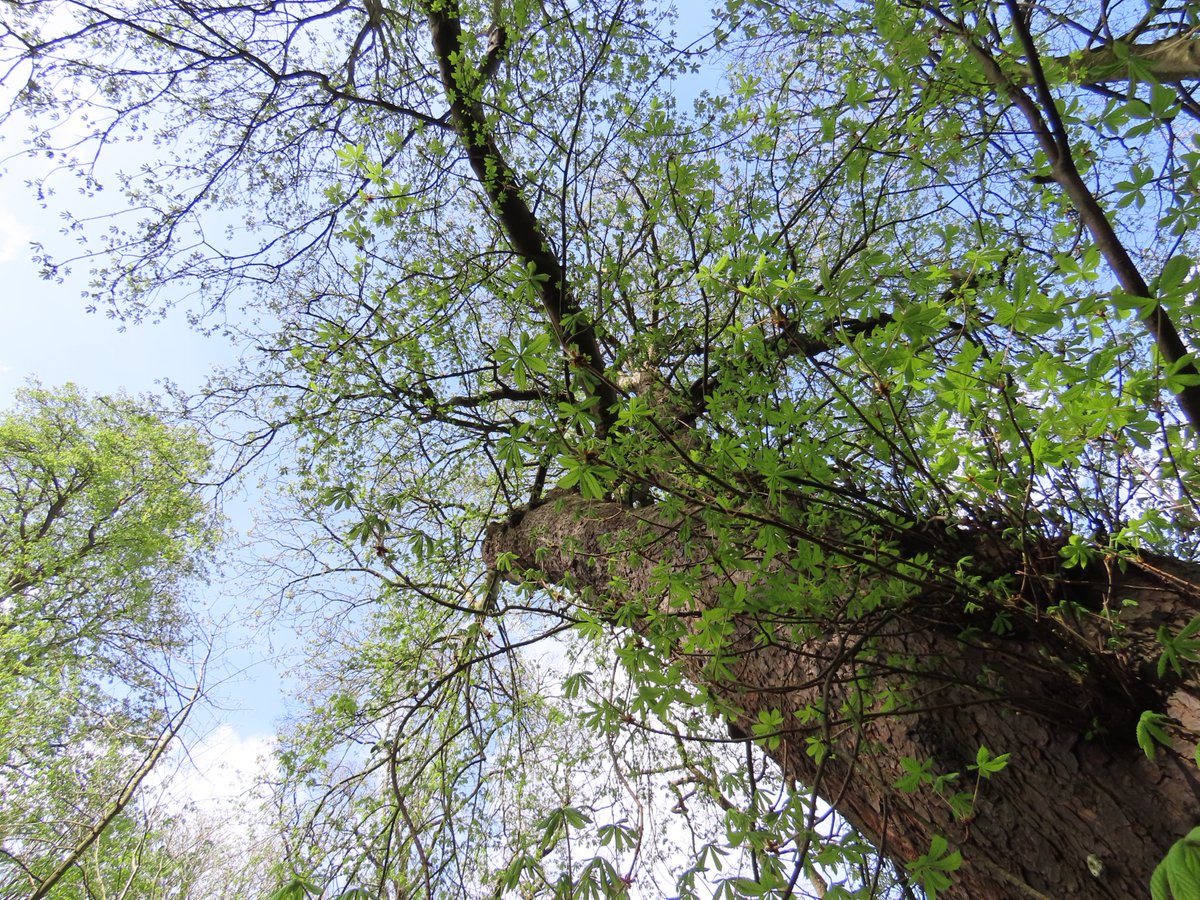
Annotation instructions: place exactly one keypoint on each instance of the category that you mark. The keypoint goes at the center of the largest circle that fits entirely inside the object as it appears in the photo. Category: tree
(854, 407)
(102, 529)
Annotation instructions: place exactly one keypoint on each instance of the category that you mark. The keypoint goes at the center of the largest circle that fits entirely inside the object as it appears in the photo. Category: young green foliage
(103, 530)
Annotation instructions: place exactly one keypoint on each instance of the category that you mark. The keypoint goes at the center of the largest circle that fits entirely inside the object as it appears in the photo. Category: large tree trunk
(1079, 811)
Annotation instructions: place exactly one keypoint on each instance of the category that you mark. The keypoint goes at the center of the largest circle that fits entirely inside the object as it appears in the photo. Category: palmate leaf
(1177, 877)
(1150, 733)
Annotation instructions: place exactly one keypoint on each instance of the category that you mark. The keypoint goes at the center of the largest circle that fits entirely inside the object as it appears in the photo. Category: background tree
(102, 531)
(854, 407)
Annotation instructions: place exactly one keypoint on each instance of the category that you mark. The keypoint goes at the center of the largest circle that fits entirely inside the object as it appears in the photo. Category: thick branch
(914, 681)
(1053, 140)
(529, 239)
(1176, 58)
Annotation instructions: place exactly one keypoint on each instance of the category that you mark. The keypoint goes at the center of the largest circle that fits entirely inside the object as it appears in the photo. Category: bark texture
(1176, 58)
(1050, 692)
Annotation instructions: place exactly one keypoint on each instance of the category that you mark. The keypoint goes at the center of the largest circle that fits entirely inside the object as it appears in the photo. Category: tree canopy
(102, 531)
(819, 389)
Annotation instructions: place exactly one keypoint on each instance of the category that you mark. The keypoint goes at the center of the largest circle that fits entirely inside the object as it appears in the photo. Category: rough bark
(1176, 58)
(1049, 693)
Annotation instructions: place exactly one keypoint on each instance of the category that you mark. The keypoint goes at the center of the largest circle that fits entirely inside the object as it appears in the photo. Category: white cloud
(211, 799)
(223, 768)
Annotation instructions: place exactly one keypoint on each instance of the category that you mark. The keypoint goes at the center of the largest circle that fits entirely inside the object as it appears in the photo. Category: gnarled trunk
(1079, 811)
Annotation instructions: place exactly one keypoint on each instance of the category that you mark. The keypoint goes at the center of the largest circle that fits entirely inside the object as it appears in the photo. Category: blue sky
(49, 335)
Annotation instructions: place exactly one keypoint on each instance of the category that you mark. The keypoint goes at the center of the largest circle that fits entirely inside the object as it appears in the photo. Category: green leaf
(986, 764)
(1150, 733)
(1177, 877)
(1077, 552)
(918, 774)
(932, 869)
(767, 728)
(298, 888)
(1179, 648)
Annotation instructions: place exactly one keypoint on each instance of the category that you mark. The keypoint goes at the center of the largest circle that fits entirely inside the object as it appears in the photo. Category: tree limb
(528, 238)
(1176, 58)
(1053, 140)
(135, 780)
